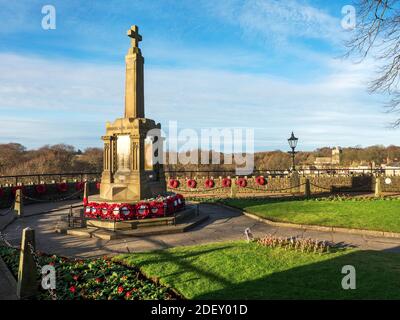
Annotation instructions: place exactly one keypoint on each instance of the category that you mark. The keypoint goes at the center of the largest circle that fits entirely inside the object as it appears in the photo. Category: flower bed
(93, 279)
(151, 208)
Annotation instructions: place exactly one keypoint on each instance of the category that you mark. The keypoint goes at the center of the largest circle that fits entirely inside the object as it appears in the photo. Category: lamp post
(293, 143)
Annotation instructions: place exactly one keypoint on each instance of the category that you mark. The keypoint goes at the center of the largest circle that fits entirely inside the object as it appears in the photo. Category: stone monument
(129, 172)
(133, 201)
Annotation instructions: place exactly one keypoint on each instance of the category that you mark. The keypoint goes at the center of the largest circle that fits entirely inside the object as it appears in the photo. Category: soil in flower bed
(93, 279)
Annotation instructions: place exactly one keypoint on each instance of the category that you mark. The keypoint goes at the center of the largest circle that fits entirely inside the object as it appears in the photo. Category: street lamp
(293, 143)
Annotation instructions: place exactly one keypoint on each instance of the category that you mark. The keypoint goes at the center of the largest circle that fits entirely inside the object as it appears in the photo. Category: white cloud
(52, 101)
(279, 21)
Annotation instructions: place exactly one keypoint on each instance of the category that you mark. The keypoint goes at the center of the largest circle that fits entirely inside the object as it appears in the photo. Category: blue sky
(263, 64)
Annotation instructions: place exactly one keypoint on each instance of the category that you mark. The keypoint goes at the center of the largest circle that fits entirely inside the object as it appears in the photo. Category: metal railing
(48, 177)
(95, 176)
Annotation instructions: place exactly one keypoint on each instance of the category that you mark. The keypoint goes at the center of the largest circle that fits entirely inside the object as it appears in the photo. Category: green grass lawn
(375, 214)
(238, 270)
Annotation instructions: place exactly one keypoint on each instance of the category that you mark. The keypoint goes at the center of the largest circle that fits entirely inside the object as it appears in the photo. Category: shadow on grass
(377, 275)
(181, 261)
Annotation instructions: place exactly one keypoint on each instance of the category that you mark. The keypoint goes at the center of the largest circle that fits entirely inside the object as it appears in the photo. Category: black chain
(340, 187)
(272, 190)
(198, 190)
(53, 200)
(5, 213)
(39, 269)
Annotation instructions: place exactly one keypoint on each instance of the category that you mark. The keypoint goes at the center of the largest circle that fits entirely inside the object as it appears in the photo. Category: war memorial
(119, 222)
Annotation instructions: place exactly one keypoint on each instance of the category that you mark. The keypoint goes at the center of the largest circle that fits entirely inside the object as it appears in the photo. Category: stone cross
(133, 33)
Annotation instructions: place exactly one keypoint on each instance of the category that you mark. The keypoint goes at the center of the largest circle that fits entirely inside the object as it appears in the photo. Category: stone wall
(284, 184)
(391, 185)
(274, 185)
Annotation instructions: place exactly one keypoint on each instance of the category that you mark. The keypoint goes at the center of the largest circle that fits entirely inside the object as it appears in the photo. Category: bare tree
(377, 34)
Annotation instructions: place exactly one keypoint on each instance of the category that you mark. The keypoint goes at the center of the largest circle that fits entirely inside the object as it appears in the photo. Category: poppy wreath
(91, 210)
(191, 183)
(174, 183)
(14, 189)
(105, 211)
(242, 182)
(209, 183)
(40, 188)
(142, 210)
(1, 193)
(79, 186)
(170, 204)
(62, 187)
(226, 182)
(181, 201)
(157, 208)
(114, 213)
(260, 180)
(98, 184)
(126, 212)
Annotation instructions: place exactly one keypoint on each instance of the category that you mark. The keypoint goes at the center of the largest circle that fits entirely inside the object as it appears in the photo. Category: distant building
(391, 168)
(329, 162)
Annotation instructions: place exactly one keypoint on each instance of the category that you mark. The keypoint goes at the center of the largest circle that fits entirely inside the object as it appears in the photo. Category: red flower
(120, 289)
(75, 277)
(72, 289)
(128, 294)
(99, 280)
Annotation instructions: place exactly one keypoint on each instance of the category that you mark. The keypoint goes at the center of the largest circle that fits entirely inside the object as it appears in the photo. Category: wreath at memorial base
(152, 208)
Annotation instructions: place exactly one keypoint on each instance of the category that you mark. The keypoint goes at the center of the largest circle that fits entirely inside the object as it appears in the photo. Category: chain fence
(35, 257)
(274, 190)
(7, 211)
(229, 189)
(359, 188)
(53, 200)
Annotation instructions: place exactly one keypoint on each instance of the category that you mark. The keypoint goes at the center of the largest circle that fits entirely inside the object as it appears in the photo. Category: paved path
(224, 224)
